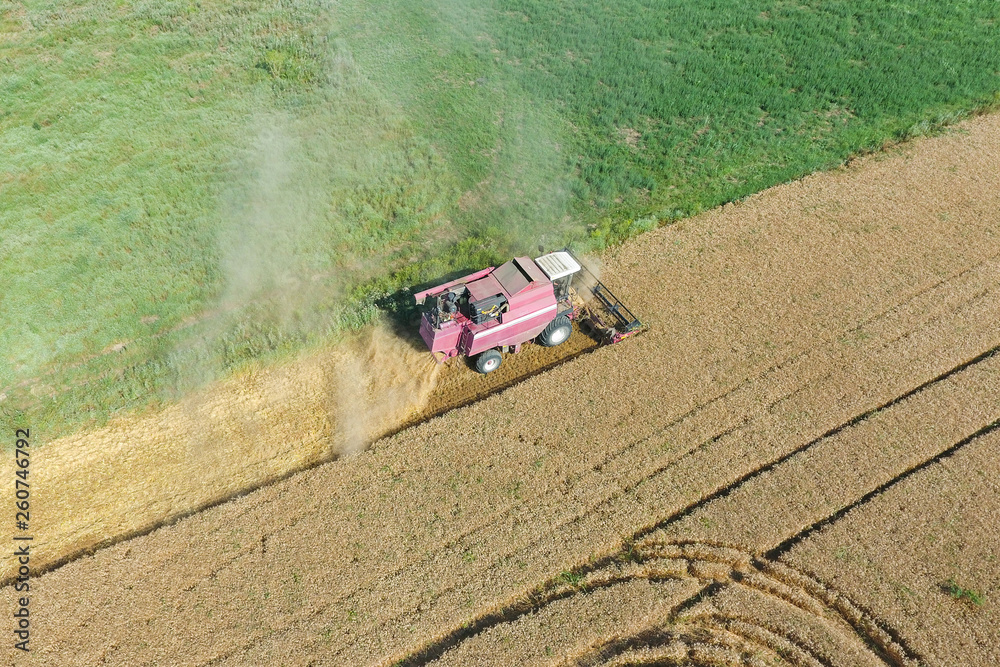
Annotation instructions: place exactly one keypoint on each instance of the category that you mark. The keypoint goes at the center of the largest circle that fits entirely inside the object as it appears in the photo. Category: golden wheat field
(796, 464)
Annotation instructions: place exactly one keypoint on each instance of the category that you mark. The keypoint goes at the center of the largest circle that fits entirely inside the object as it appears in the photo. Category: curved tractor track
(720, 622)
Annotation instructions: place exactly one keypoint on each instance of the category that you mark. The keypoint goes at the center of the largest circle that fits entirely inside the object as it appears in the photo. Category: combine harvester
(497, 310)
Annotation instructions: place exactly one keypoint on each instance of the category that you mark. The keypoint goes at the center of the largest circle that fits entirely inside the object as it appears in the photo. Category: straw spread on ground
(792, 466)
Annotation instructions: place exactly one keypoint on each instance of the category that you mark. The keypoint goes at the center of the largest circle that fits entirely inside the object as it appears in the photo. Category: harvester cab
(497, 309)
(559, 267)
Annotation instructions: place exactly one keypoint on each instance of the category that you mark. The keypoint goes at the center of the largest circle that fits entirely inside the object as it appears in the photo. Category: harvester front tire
(488, 361)
(557, 332)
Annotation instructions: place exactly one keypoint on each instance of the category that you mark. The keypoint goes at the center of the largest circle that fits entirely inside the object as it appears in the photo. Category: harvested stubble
(227, 439)
(773, 322)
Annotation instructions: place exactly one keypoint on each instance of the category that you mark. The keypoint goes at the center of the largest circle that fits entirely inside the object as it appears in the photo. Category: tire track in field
(865, 624)
(788, 362)
(891, 643)
(790, 366)
(894, 649)
(806, 485)
(717, 639)
(743, 420)
(789, 543)
(688, 647)
(852, 630)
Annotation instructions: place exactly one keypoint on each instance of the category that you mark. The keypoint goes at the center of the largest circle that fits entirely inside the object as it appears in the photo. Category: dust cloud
(382, 383)
(265, 222)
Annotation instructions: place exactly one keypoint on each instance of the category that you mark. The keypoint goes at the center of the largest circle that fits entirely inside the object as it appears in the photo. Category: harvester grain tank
(498, 309)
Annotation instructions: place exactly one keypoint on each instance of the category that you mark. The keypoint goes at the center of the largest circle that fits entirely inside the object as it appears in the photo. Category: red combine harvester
(499, 309)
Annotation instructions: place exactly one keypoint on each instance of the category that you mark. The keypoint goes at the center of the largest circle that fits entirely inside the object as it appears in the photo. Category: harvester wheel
(488, 361)
(557, 332)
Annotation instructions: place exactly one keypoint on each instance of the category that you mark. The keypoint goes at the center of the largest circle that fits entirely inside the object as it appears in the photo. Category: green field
(187, 187)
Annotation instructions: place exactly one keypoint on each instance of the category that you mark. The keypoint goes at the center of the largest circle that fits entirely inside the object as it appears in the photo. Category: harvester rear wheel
(557, 332)
(488, 361)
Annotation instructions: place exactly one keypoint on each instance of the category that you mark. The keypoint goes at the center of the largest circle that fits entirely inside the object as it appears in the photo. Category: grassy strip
(193, 186)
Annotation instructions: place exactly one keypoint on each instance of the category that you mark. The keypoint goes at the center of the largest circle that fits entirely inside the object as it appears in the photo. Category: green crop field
(187, 187)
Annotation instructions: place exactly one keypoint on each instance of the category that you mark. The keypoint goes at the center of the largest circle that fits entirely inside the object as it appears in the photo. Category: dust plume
(508, 151)
(266, 220)
(382, 383)
(587, 279)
